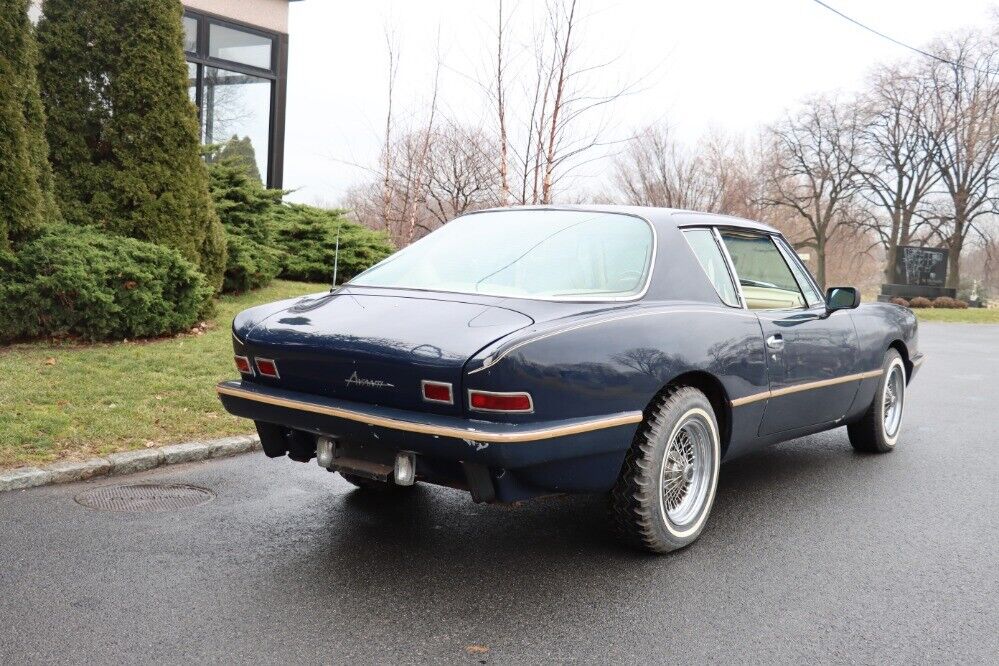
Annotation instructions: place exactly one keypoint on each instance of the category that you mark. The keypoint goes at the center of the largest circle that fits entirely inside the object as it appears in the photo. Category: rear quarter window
(709, 255)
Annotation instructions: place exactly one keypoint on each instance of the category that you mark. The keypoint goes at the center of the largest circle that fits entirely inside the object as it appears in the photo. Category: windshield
(549, 254)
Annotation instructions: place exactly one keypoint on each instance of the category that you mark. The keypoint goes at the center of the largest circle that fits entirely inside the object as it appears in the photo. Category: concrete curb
(127, 462)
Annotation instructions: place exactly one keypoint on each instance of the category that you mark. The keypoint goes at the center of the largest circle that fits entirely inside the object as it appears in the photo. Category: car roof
(673, 217)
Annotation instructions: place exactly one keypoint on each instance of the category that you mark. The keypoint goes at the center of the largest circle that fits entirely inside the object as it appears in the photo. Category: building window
(192, 83)
(239, 46)
(236, 78)
(190, 34)
(236, 115)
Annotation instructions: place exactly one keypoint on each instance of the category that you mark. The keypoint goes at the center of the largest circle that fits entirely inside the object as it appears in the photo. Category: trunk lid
(378, 348)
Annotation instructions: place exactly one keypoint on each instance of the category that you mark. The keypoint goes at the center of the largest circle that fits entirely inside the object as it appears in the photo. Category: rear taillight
(243, 365)
(267, 368)
(489, 401)
(437, 392)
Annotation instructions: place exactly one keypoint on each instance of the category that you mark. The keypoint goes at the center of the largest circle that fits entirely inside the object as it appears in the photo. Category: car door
(810, 354)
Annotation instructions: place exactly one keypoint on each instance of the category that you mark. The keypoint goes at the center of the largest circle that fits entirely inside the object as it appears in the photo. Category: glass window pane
(190, 34)
(800, 274)
(766, 281)
(526, 253)
(239, 46)
(702, 242)
(237, 116)
(192, 82)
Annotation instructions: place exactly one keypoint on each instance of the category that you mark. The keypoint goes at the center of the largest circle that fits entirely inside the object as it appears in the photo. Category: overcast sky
(726, 64)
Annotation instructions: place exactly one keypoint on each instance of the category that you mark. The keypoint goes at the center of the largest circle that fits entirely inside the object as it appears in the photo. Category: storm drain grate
(145, 497)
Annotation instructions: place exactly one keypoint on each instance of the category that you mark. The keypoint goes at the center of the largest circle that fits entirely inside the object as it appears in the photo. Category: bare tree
(543, 130)
(436, 175)
(964, 108)
(895, 159)
(656, 170)
(426, 175)
(717, 175)
(732, 177)
(502, 27)
(812, 172)
(419, 165)
(563, 50)
(461, 174)
(393, 70)
(982, 265)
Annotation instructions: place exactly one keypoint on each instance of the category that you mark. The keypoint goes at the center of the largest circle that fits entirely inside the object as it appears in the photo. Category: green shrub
(247, 210)
(242, 153)
(920, 302)
(249, 265)
(123, 134)
(308, 238)
(73, 281)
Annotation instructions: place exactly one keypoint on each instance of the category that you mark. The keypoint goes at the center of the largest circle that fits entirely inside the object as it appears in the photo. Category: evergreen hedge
(307, 237)
(123, 134)
(267, 238)
(247, 210)
(35, 123)
(241, 152)
(23, 157)
(80, 282)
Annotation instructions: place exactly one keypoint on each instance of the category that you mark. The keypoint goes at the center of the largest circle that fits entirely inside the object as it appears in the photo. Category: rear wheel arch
(903, 351)
(713, 389)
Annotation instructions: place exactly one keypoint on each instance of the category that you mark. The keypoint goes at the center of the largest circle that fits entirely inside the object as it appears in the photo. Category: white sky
(726, 64)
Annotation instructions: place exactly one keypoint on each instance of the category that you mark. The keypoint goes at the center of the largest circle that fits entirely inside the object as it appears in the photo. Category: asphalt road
(812, 553)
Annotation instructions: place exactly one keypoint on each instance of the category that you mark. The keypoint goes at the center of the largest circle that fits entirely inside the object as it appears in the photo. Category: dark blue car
(600, 349)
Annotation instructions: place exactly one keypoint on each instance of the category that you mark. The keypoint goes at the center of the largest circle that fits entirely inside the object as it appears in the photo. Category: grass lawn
(968, 316)
(74, 401)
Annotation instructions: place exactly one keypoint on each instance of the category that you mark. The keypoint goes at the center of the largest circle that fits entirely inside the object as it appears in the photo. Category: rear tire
(363, 483)
(878, 429)
(667, 484)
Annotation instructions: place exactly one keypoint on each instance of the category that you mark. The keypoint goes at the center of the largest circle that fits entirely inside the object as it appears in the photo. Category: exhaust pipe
(324, 452)
(403, 473)
(405, 468)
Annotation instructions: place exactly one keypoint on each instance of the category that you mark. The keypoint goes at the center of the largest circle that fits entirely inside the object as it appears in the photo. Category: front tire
(878, 429)
(667, 484)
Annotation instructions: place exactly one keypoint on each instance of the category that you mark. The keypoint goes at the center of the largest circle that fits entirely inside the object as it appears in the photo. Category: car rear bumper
(506, 445)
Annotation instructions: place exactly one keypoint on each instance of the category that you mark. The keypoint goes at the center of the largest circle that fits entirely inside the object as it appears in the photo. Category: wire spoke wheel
(892, 401)
(877, 431)
(686, 470)
(664, 492)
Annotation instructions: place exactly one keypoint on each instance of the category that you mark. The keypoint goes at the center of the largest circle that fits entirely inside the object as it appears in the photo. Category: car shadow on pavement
(461, 559)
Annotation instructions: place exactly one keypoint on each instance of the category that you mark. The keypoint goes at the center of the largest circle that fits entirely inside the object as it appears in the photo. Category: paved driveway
(813, 552)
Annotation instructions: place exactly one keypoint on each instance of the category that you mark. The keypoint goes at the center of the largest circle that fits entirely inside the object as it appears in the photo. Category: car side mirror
(842, 298)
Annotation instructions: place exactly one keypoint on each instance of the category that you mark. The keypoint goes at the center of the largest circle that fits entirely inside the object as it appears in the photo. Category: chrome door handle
(775, 342)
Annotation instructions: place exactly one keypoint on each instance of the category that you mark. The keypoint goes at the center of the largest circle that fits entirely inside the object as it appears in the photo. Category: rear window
(546, 254)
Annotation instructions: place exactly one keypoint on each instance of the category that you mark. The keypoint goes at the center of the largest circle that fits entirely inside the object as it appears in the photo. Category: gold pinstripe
(527, 435)
(807, 386)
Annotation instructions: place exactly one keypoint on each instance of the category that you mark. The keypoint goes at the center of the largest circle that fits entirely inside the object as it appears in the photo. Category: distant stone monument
(919, 271)
(975, 298)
